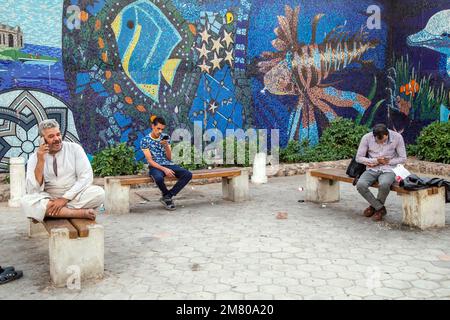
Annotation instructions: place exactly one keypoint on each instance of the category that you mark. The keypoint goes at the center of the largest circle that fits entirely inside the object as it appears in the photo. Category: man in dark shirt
(157, 151)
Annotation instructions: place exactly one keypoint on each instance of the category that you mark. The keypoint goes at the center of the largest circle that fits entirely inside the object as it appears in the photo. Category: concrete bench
(422, 208)
(117, 189)
(74, 244)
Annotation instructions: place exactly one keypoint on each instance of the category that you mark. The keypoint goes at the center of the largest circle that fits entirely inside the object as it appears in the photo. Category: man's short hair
(47, 124)
(380, 130)
(159, 120)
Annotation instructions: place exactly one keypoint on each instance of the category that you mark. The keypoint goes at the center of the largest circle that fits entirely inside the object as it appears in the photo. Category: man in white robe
(59, 179)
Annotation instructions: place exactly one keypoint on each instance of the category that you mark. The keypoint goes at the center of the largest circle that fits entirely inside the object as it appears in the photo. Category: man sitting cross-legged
(59, 179)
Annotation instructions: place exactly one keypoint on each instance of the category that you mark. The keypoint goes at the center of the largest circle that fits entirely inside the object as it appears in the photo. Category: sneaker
(168, 203)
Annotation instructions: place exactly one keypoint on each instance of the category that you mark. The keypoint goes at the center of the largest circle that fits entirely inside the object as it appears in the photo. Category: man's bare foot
(89, 214)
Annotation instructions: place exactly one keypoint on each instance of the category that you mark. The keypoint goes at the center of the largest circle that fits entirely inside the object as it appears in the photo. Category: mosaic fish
(411, 88)
(300, 69)
(435, 36)
(146, 39)
(131, 59)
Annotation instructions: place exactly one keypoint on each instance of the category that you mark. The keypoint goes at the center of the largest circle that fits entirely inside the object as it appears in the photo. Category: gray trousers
(385, 180)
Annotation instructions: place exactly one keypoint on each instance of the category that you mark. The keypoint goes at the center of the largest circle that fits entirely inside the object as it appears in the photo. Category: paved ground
(214, 249)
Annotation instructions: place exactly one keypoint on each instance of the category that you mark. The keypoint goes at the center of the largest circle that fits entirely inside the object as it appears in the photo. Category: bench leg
(423, 209)
(83, 254)
(321, 190)
(36, 229)
(236, 188)
(117, 197)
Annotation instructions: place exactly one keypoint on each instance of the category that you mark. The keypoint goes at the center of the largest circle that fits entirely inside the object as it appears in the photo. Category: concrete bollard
(17, 181)
(259, 168)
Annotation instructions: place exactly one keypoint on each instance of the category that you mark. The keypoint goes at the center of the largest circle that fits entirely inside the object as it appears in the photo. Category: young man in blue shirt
(157, 151)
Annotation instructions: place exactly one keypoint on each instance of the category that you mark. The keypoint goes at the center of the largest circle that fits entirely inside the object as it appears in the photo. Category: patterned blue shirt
(157, 150)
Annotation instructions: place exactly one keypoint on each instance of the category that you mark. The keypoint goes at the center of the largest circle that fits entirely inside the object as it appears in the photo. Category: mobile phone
(165, 137)
(42, 141)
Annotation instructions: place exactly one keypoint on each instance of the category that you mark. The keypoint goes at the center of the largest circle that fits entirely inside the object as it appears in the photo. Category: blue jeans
(183, 176)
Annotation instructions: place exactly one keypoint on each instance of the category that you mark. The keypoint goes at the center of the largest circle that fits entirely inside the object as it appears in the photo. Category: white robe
(74, 182)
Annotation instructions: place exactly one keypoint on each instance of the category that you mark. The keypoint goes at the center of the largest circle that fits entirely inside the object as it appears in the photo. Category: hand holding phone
(165, 140)
(43, 148)
(383, 160)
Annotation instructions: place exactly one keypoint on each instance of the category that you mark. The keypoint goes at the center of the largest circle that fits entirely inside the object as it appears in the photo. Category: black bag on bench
(355, 170)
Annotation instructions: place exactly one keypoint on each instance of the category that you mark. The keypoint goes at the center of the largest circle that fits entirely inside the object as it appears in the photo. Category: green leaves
(116, 161)
(339, 141)
(433, 143)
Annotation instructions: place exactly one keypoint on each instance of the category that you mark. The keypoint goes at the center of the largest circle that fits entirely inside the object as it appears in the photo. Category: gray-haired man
(59, 179)
(381, 150)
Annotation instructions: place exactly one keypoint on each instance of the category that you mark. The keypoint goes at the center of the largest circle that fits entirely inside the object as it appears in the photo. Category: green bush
(251, 147)
(116, 160)
(411, 150)
(433, 143)
(338, 141)
(294, 151)
(189, 163)
(184, 160)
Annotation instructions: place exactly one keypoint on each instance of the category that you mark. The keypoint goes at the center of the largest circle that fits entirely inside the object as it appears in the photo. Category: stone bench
(422, 208)
(117, 189)
(74, 244)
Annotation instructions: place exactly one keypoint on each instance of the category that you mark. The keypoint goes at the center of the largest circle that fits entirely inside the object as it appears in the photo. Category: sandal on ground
(11, 275)
(6, 269)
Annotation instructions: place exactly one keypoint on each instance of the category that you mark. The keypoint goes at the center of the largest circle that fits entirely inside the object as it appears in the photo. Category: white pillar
(259, 168)
(17, 181)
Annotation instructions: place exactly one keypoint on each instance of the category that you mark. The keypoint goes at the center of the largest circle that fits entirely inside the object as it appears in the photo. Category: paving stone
(217, 288)
(424, 284)
(396, 284)
(189, 288)
(419, 293)
(285, 281)
(313, 282)
(359, 291)
(258, 296)
(229, 296)
(442, 292)
(341, 283)
(388, 292)
(329, 291)
(116, 296)
(405, 276)
(244, 288)
(323, 275)
(301, 290)
(201, 296)
(273, 289)
(144, 296)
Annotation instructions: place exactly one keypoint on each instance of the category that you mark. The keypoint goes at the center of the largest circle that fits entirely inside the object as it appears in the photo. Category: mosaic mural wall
(103, 67)
(418, 74)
